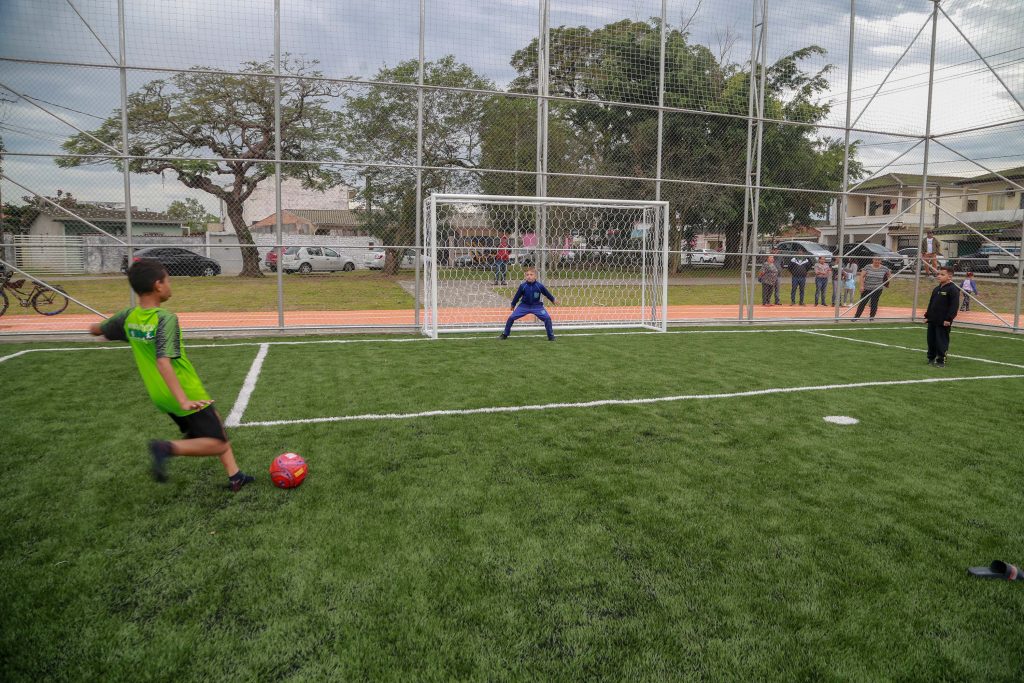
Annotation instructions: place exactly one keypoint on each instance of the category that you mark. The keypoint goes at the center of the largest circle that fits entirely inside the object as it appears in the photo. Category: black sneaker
(240, 479)
(551, 339)
(940, 363)
(931, 361)
(502, 336)
(161, 452)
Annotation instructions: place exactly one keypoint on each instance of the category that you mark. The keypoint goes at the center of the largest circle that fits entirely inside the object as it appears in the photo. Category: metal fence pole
(417, 291)
(542, 136)
(661, 101)
(924, 168)
(123, 72)
(844, 199)
(1020, 281)
(743, 287)
(756, 205)
(278, 227)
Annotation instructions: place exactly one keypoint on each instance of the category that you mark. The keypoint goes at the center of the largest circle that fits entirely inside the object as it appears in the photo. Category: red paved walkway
(10, 324)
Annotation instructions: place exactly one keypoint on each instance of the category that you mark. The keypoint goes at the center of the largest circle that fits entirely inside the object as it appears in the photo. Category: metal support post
(542, 136)
(924, 169)
(278, 228)
(661, 101)
(418, 292)
(844, 199)
(746, 289)
(756, 205)
(123, 72)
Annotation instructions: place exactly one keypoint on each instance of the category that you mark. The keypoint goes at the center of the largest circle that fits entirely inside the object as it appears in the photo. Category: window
(972, 204)
(906, 204)
(996, 202)
(887, 205)
(314, 251)
(1020, 204)
(331, 253)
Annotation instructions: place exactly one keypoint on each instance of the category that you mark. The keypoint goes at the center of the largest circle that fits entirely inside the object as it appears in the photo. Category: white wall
(293, 196)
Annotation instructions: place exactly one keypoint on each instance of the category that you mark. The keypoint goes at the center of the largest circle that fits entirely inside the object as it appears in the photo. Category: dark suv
(177, 261)
(862, 254)
(809, 250)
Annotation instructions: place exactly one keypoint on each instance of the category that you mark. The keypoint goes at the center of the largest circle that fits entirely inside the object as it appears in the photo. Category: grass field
(724, 531)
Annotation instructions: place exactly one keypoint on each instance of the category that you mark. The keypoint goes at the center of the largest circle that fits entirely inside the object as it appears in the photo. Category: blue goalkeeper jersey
(530, 293)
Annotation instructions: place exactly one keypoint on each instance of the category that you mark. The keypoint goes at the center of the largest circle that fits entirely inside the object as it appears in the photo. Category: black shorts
(202, 424)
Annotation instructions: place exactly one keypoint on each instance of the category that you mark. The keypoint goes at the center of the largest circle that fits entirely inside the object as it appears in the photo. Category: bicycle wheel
(49, 301)
(3, 301)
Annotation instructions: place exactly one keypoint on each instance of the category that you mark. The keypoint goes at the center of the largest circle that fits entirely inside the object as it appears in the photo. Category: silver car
(309, 259)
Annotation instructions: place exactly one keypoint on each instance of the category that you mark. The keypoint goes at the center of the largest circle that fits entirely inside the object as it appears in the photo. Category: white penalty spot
(841, 419)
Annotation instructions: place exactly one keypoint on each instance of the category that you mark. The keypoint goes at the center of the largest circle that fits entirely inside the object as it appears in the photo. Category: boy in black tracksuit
(942, 308)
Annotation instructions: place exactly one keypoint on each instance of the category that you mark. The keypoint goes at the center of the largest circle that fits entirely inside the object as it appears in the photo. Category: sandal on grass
(997, 570)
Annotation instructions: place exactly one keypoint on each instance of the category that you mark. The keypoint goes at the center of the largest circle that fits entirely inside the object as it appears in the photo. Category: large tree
(619, 63)
(208, 113)
(379, 124)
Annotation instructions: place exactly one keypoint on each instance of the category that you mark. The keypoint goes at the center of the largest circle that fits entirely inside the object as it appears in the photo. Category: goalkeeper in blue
(528, 298)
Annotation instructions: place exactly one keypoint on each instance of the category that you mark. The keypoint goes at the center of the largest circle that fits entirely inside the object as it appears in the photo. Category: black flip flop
(997, 570)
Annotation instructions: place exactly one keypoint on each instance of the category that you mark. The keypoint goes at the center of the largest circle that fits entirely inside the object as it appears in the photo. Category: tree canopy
(208, 113)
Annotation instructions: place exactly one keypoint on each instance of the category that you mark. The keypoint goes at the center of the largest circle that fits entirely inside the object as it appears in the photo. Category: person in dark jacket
(798, 267)
(528, 298)
(942, 309)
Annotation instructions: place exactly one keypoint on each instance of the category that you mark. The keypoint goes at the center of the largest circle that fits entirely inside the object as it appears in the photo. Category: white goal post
(604, 260)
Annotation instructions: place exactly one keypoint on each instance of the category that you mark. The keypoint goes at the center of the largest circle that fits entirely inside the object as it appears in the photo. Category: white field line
(910, 348)
(426, 339)
(994, 336)
(618, 402)
(242, 402)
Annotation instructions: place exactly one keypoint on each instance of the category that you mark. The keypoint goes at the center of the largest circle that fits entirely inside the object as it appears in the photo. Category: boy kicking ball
(528, 298)
(170, 379)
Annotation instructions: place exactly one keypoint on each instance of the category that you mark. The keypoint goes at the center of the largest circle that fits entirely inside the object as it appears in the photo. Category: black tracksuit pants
(938, 341)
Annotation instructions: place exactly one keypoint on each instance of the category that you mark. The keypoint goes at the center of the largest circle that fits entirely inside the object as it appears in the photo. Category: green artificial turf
(737, 538)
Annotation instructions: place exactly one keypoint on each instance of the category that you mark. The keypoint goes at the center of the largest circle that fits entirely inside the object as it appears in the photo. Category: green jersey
(154, 333)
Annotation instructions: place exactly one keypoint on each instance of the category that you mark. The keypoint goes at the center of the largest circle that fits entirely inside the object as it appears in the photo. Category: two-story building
(987, 203)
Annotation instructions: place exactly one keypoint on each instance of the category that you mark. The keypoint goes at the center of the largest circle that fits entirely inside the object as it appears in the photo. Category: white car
(704, 257)
(375, 259)
(309, 259)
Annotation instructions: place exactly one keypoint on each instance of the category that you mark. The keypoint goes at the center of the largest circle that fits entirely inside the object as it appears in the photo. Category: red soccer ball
(288, 470)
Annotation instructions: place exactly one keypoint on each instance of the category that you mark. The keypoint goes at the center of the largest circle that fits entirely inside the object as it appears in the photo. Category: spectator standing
(931, 250)
(501, 261)
(822, 273)
(970, 288)
(768, 276)
(798, 267)
(873, 279)
(849, 277)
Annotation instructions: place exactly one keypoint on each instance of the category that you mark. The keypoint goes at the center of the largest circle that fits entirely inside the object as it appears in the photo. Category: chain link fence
(277, 155)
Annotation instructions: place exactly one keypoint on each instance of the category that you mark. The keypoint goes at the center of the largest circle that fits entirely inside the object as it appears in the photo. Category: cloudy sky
(356, 38)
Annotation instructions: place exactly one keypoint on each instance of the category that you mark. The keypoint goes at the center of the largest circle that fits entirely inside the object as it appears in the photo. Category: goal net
(605, 261)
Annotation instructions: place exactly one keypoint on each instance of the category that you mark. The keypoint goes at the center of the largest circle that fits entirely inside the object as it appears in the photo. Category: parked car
(864, 253)
(1005, 264)
(309, 259)
(909, 255)
(981, 261)
(475, 259)
(805, 248)
(176, 260)
(703, 257)
(376, 258)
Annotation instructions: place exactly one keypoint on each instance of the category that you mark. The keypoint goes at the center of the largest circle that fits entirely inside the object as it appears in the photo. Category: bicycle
(46, 300)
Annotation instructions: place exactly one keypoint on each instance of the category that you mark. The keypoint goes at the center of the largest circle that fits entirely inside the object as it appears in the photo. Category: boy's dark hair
(144, 274)
(949, 269)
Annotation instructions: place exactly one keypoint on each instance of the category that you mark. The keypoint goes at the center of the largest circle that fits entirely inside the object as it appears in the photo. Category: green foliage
(191, 213)
(379, 125)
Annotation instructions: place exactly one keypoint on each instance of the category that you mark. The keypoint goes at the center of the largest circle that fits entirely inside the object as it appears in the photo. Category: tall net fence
(277, 156)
